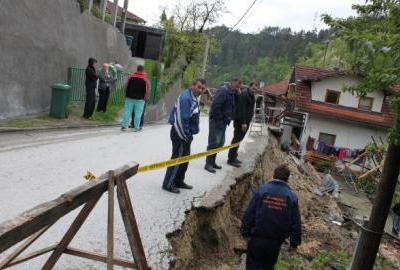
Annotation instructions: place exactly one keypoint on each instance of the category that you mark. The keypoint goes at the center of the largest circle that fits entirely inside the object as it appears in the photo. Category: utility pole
(203, 71)
(124, 12)
(90, 6)
(115, 8)
(103, 6)
(371, 233)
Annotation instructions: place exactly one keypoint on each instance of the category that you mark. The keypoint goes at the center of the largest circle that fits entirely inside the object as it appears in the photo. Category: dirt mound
(210, 238)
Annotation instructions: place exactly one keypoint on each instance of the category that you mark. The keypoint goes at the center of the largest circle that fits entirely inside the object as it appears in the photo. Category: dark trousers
(262, 254)
(104, 94)
(90, 102)
(216, 138)
(141, 119)
(238, 135)
(175, 176)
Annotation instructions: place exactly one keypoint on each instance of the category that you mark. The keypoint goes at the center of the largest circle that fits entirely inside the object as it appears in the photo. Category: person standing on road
(244, 110)
(184, 118)
(105, 81)
(221, 113)
(90, 84)
(272, 216)
(137, 91)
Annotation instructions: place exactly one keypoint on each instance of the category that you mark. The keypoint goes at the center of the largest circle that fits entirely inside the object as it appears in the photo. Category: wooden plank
(98, 257)
(31, 221)
(32, 255)
(71, 232)
(22, 247)
(110, 222)
(131, 227)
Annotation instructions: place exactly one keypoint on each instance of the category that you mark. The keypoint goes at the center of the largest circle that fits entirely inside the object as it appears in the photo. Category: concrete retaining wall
(39, 40)
(163, 108)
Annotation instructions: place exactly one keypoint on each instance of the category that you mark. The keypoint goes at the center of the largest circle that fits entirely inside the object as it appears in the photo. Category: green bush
(323, 166)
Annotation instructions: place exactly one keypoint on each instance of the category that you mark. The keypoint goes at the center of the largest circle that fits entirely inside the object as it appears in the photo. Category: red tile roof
(277, 89)
(304, 102)
(314, 74)
(129, 15)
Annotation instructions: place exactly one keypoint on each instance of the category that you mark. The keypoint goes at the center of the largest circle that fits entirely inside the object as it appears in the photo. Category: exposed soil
(210, 238)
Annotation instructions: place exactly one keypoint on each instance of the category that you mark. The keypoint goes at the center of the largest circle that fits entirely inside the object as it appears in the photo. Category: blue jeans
(136, 105)
(396, 224)
(216, 138)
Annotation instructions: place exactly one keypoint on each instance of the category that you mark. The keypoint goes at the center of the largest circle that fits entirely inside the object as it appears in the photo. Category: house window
(365, 103)
(332, 96)
(328, 139)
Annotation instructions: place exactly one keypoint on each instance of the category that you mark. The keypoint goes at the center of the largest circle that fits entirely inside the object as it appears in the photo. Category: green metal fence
(76, 79)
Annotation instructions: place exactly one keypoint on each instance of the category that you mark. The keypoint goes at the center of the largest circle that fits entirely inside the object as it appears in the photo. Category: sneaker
(215, 166)
(123, 128)
(234, 163)
(172, 190)
(210, 168)
(184, 186)
(136, 130)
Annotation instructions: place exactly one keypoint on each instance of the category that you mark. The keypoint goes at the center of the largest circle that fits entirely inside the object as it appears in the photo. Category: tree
(374, 42)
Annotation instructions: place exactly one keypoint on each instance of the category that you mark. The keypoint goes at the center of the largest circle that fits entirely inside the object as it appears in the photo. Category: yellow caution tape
(173, 162)
(89, 176)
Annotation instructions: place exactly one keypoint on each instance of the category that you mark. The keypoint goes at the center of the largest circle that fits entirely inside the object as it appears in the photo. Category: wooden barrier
(30, 225)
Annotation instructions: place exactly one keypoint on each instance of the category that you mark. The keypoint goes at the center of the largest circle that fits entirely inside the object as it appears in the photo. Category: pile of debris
(210, 237)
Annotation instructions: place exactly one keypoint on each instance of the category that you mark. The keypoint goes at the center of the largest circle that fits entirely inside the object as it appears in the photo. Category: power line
(244, 14)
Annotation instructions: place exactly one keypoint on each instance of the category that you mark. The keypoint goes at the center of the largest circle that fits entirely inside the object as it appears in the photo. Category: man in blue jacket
(221, 113)
(184, 118)
(271, 217)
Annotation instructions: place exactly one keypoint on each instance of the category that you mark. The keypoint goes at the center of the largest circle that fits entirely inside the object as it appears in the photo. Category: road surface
(37, 167)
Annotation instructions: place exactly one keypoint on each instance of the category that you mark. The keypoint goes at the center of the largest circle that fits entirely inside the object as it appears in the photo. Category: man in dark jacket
(184, 118)
(221, 113)
(244, 111)
(90, 84)
(271, 217)
(136, 93)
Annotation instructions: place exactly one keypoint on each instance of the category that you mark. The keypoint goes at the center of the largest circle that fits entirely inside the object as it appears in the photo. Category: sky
(296, 14)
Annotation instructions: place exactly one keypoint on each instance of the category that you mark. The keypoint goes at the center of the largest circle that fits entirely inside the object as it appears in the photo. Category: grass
(109, 117)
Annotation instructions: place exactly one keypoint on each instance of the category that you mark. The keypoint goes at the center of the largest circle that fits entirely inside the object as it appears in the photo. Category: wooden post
(115, 8)
(103, 6)
(131, 227)
(124, 12)
(110, 222)
(23, 247)
(69, 235)
(371, 234)
(90, 6)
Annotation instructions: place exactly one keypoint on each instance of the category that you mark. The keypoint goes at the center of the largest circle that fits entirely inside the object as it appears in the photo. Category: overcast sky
(296, 14)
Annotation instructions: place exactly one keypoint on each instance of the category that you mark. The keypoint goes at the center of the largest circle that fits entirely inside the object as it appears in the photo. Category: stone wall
(39, 40)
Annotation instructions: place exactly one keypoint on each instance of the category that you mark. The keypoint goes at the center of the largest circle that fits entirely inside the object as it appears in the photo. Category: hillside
(266, 56)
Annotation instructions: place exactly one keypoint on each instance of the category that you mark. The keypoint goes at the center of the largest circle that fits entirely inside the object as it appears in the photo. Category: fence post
(110, 221)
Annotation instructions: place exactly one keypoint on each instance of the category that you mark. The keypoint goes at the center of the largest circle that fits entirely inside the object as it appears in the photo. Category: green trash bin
(60, 97)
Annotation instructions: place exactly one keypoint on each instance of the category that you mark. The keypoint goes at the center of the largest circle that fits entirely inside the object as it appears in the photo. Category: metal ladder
(257, 125)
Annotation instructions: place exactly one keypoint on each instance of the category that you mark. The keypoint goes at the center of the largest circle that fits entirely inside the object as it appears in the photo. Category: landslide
(210, 239)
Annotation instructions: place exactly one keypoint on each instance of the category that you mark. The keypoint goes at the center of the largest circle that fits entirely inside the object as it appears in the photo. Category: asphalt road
(37, 167)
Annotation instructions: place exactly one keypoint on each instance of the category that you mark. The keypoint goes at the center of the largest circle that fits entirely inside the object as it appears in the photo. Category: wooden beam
(98, 257)
(31, 221)
(110, 222)
(22, 247)
(32, 255)
(131, 227)
(69, 235)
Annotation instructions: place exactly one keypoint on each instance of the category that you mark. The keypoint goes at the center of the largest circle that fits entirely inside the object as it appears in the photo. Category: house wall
(318, 92)
(39, 40)
(349, 135)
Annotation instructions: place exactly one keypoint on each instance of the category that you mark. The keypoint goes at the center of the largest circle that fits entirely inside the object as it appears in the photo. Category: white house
(337, 117)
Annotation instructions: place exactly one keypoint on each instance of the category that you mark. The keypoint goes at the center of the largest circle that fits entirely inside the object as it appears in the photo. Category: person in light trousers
(137, 91)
